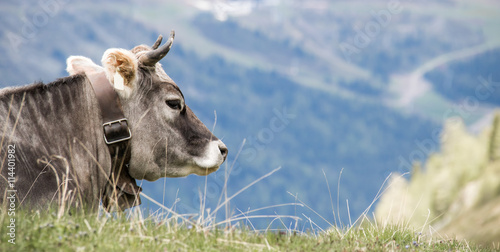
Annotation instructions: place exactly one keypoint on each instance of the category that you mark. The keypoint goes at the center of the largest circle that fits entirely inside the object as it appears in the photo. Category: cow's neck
(122, 190)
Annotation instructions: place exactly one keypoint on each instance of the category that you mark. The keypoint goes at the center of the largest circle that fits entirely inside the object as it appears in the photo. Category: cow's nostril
(223, 150)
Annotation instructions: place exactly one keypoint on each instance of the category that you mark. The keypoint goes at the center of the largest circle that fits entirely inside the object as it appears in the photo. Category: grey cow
(53, 146)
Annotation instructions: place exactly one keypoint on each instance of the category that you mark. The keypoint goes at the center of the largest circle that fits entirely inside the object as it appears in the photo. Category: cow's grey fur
(57, 132)
(53, 127)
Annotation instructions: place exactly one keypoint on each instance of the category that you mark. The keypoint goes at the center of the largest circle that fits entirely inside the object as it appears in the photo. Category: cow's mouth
(201, 171)
(195, 169)
(214, 155)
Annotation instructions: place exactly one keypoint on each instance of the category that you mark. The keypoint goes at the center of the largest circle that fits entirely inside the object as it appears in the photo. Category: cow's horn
(152, 57)
(158, 42)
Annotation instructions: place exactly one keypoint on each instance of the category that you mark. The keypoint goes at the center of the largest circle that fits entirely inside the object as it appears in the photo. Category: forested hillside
(280, 80)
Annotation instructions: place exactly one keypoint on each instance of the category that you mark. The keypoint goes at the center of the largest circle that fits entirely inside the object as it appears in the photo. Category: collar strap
(115, 125)
(121, 185)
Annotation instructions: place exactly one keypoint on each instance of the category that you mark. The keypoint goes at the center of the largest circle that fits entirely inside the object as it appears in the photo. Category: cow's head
(168, 140)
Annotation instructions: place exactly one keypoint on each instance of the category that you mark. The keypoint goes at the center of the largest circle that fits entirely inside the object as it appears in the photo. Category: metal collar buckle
(116, 131)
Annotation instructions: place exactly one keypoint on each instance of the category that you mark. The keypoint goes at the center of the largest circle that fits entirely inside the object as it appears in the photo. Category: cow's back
(51, 132)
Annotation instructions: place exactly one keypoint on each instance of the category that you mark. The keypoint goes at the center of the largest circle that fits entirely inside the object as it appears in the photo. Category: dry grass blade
(312, 210)
(268, 207)
(243, 189)
(167, 209)
(257, 217)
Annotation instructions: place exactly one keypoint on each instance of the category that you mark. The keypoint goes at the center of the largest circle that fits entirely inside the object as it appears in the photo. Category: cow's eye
(174, 104)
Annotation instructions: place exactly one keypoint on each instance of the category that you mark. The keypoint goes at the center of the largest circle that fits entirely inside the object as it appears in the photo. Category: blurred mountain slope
(252, 61)
(458, 191)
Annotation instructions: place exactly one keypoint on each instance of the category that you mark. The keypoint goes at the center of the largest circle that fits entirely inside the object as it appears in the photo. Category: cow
(86, 138)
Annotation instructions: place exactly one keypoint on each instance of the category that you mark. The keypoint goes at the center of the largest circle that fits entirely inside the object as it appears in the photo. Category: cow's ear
(120, 66)
(80, 64)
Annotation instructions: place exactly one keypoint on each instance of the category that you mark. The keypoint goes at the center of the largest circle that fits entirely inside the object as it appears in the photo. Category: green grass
(67, 229)
(77, 231)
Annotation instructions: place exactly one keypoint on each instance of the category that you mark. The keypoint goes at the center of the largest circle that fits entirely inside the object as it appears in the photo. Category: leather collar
(121, 189)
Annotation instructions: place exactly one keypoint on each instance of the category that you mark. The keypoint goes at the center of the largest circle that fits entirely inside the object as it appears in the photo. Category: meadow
(62, 228)
(45, 231)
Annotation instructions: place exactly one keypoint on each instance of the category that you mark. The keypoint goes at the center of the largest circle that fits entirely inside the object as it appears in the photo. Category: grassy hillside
(44, 231)
(486, 216)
